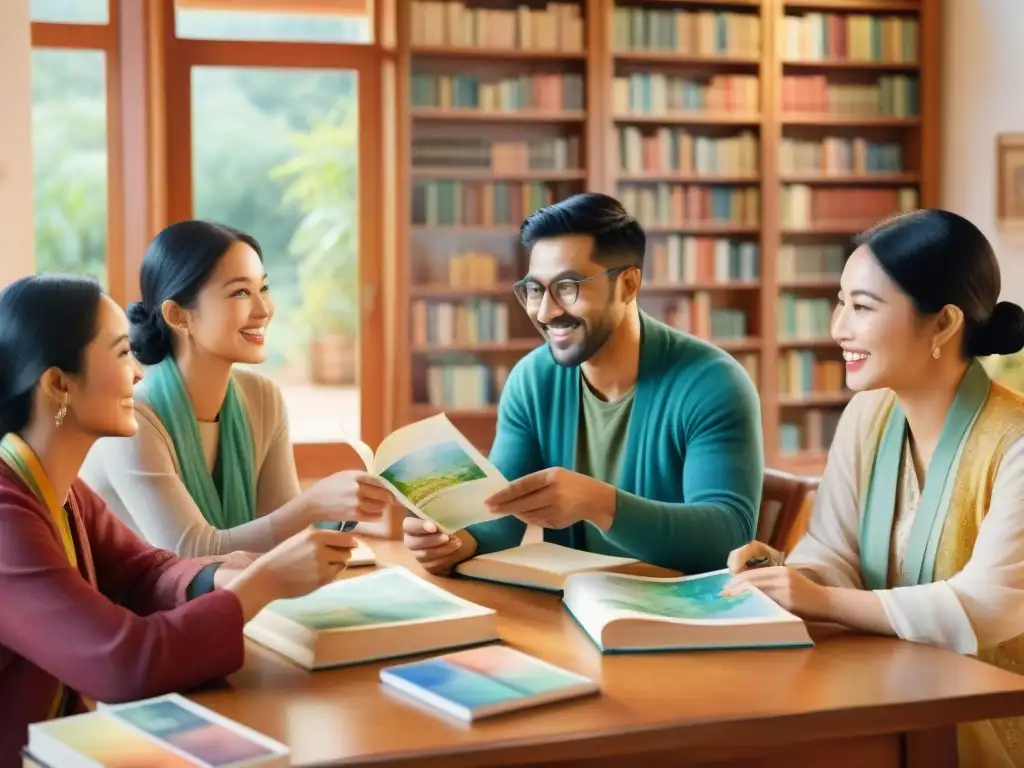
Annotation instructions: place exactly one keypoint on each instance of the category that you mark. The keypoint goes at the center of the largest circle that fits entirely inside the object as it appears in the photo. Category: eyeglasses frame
(612, 271)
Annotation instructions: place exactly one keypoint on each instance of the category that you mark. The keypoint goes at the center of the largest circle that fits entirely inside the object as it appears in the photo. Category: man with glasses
(623, 436)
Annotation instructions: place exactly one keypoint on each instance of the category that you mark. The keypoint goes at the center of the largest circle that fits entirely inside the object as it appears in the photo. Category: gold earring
(62, 412)
(936, 352)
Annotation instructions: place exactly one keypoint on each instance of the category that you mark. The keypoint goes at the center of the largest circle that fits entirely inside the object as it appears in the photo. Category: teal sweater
(692, 467)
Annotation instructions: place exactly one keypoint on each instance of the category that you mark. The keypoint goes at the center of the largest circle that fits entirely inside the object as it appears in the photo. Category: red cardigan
(117, 628)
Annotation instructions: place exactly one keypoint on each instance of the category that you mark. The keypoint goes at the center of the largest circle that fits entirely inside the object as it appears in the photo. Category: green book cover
(387, 596)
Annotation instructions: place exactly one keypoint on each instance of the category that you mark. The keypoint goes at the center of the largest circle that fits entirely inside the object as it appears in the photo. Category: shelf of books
(849, 154)
(750, 138)
(686, 119)
(498, 129)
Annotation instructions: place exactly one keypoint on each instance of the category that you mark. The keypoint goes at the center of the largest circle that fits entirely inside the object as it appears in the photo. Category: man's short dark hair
(618, 237)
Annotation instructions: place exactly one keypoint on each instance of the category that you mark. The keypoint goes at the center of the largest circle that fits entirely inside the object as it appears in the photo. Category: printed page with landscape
(438, 474)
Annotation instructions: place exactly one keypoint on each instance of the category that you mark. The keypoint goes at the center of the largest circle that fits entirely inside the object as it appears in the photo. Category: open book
(435, 472)
(638, 613)
(540, 565)
(486, 681)
(383, 614)
(166, 730)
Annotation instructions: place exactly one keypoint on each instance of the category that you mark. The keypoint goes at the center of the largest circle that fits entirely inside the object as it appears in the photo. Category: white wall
(983, 95)
(16, 222)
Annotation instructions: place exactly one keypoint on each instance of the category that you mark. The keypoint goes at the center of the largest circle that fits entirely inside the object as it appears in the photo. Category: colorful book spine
(850, 37)
(540, 92)
(696, 33)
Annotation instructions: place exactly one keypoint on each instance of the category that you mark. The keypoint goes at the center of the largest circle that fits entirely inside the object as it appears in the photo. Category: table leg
(931, 748)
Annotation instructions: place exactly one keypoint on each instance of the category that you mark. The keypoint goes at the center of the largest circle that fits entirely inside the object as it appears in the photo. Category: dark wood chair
(785, 508)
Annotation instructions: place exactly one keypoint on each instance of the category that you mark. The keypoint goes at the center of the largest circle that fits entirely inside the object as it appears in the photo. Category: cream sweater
(139, 477)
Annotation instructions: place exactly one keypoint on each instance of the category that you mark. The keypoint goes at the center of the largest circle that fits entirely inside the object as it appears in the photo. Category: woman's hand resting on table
(786, 586)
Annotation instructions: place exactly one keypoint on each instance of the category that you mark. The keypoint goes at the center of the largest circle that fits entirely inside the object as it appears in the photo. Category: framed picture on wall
(1010, 181)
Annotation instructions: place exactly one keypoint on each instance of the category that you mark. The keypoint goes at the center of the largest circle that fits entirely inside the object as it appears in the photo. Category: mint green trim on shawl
(880, 501)
(235, 501)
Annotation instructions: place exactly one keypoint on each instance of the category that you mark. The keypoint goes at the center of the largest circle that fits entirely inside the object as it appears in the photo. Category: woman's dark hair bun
(137, 313)
(150, 340)
(1002, 334)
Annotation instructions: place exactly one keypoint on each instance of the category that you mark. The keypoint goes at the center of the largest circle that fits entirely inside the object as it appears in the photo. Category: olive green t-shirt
(602, 438)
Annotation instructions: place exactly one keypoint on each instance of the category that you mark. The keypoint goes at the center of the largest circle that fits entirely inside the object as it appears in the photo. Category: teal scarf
(880, 502)
(235, 503)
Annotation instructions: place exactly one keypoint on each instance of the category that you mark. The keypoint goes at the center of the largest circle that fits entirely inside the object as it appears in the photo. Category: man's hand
(557, 498)
(437, 552)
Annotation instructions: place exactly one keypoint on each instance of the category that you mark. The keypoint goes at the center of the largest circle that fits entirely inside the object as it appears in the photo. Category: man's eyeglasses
(564, 292)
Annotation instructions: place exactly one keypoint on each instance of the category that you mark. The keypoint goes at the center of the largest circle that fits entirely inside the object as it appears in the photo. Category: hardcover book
(379, 615)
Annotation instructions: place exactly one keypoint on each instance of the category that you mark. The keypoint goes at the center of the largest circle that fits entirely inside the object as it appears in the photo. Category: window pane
(274, 153)
(71, 11)
(69, 147)
(348, 25)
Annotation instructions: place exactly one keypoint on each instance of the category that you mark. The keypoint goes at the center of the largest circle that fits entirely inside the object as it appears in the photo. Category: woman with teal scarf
(917, 530)
(211, 469)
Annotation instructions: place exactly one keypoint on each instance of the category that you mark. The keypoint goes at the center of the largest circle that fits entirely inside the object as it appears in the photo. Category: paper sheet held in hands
(435, 472)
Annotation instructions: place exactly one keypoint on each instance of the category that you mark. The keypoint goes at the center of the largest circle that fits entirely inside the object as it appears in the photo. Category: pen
(345, 527)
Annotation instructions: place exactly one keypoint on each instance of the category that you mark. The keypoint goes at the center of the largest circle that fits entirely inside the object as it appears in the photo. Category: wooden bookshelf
(857, 109)
(686, 125)
(751, 138)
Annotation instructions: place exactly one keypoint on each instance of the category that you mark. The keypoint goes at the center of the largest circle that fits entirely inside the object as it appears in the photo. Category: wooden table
(849, 701)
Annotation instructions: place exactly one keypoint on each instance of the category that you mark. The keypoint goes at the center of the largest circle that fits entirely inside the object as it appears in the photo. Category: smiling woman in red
(88, 608)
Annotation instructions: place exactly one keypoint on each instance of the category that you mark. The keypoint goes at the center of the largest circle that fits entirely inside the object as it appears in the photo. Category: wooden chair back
(786, 504)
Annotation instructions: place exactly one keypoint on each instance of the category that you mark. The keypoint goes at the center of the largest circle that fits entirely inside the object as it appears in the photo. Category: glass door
(275, 152)
(270, 134)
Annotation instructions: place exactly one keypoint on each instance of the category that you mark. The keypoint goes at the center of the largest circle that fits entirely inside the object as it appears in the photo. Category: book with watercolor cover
(638, 613)
(383, 614)
(162, 732)
(486, 681)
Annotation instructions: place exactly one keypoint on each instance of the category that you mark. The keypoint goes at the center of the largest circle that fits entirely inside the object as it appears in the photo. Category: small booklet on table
(635, 613)
(482, 682)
